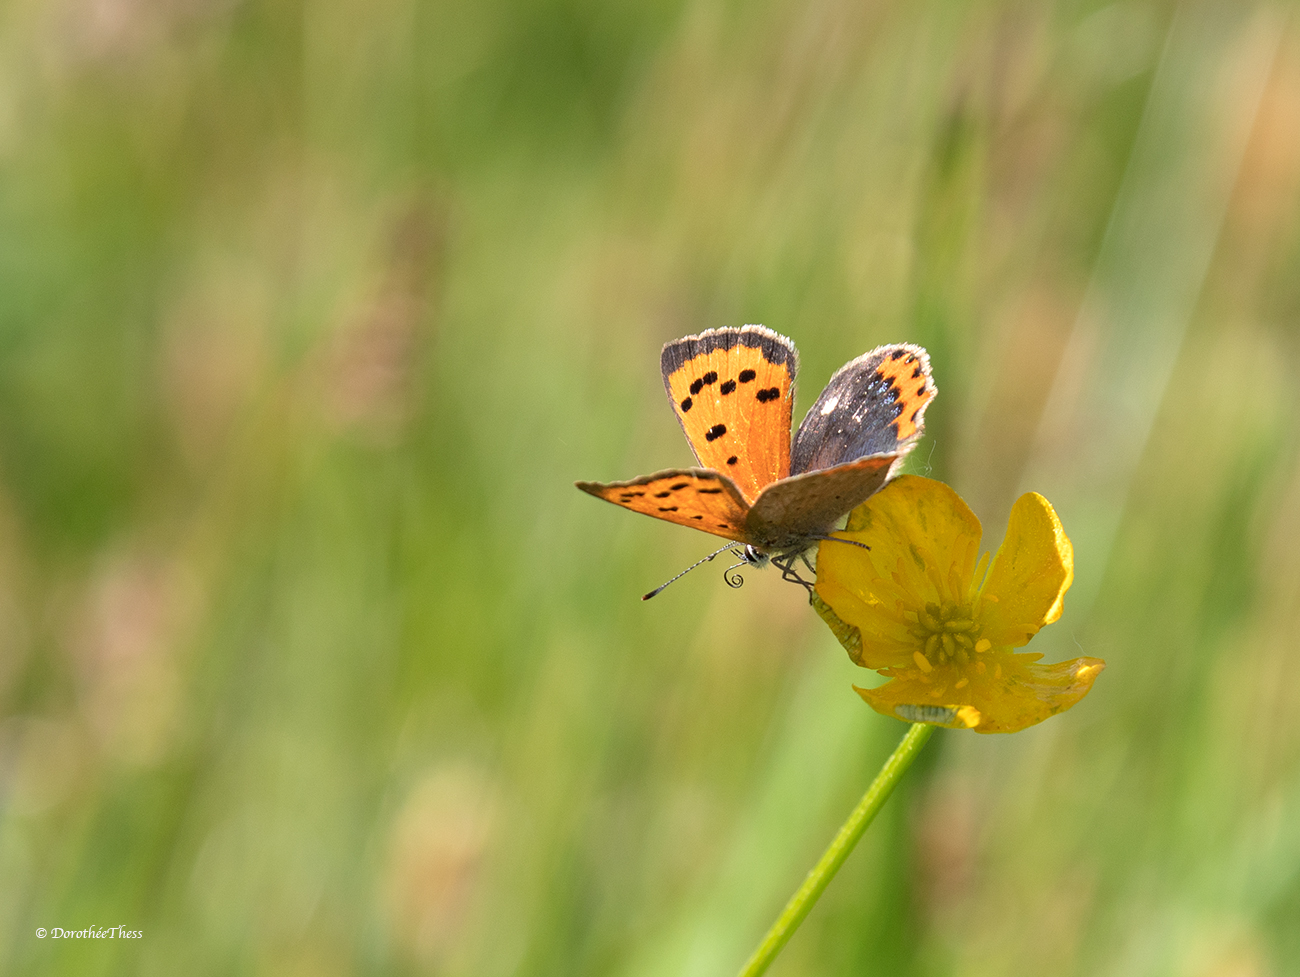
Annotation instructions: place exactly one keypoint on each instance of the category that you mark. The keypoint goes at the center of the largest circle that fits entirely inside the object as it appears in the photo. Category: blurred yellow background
(313, 661)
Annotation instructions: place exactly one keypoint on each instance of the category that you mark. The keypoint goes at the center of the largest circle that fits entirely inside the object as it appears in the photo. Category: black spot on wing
(727, 387)
(732, 460)
(696, 387)
(687, 404)
(710, 377)
(715, 432)
(746, 376)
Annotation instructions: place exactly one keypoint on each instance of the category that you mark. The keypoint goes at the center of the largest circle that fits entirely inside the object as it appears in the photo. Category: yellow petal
(1026, 584)
(913, 700)
(847, 634)
(883, 644)
(923, 543)
(1025, 693)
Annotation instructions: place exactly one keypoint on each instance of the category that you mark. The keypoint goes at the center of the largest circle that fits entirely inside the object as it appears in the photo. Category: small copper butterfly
(733, 393)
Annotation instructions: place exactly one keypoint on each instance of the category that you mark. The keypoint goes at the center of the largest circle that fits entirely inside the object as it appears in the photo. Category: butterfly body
(733, 393)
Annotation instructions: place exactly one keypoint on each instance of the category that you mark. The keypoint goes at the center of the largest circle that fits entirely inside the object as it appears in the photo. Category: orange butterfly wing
(733, 392)
(693, 497)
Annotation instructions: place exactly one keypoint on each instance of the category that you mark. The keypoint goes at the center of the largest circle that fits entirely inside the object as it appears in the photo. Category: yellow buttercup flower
(923, 608)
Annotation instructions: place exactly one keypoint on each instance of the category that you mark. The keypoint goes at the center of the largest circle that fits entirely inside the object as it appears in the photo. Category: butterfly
(733, 393)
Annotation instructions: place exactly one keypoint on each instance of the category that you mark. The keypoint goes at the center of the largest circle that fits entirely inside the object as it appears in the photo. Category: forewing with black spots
(694, 497)
(733, 392)
(872, 405)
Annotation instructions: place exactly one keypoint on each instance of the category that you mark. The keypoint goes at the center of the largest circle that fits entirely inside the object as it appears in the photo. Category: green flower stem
(872, 801)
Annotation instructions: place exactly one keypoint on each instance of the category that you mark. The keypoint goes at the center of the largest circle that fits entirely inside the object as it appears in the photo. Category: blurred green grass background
(312, 660)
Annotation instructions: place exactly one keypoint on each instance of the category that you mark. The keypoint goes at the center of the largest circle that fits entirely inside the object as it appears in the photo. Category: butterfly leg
(841, 539)
(788, 573)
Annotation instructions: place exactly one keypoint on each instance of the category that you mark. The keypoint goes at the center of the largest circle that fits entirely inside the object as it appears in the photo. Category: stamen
(962, 683)
(949, 645)
(963, 640)
(960, 624)
(936, 579)
(922, 662)
(983, 645)
(972, 555)
(977, 578)
(885, 589)
(954, 574)
(981, 667)
(931, 644)
(997, 671)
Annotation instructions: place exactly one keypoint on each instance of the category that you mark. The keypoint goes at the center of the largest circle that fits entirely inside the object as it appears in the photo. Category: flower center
(950, 634)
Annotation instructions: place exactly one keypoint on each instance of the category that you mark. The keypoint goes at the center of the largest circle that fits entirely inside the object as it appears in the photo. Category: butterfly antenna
(697, 563)
(730, 577)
